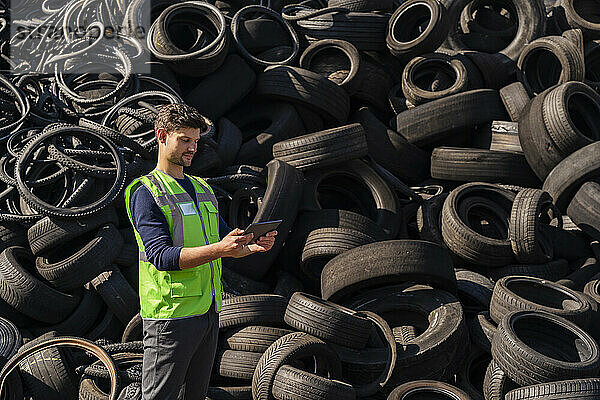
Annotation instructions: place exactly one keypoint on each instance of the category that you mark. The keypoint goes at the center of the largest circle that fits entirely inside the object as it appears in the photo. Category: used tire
(329, 188)
(572, 389)
(475, 165)
(388, 262)
(27, 294)
(295, 384)
(327, 321)
(391, 150)
(433, 76)
(405, 36)
(513, 293)
(567, 177)
(70, 267)
(515, 98)
(474, 243)
(455, 116)
(531, 18)
(440, 324)
(294, 346)
(324, 148)
(548, 61)
(530, 243)
(236, 364)
(584, 209)
(438, 390)
(252, 338)
(534, 346)
(253, 310)
(324, 244)
(117, 293)
(307, 88)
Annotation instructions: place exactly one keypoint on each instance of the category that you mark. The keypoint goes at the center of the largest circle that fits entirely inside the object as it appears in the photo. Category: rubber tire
(283, 122)
(327, 321)
(118, 295)
(362, 5)
(236, 364)
(453, 116)
(572, 305)
(567, 54)
(307, 88)
(432, 354)
(428, 40)
(530, 243)
(324, 148)
(539, 148)
(295, 384)
(496, 383)
(10, 340)
(345, 73)
(526, 366)
(308, 221)
(229, 142)
(48, 374)
(429, 219)
(81, 320)
(515, 99)
(133, 330)
(281, 201)
(388, 262)
(84, 261)
(477, 165)
(482, 331)
(584, 209)
(425, 386)
(324, 244)
(365, 30)
(27, 294)
(474, 291)
(532, 24)
(572, 125)
(467, 243)
(576, 389)
(426, 64)
(214, 107)
(378, 201)
(253, 338)
(391, 150)
(266, 309)
(229, 393)
(284, 351)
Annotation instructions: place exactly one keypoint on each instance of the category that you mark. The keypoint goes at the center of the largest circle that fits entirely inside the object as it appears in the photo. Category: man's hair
(175, 116)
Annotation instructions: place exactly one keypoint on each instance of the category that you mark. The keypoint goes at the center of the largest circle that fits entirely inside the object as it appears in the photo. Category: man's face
(180, 145)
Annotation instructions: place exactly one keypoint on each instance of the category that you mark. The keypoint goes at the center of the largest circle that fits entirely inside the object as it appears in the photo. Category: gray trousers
(178, 356)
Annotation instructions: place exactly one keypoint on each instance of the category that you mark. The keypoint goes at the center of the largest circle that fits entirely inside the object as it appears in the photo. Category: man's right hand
(233, 244)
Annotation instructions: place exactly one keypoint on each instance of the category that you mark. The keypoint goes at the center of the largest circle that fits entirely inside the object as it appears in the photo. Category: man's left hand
(264, 243)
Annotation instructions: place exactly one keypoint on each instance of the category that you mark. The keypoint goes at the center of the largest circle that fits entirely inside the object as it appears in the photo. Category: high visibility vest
(176, 294)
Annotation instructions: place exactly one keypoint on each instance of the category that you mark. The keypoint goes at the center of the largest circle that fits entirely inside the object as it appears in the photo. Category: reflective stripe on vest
(177, 294)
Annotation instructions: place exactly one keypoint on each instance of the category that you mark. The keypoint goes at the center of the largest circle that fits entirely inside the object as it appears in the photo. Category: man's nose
(192, 146)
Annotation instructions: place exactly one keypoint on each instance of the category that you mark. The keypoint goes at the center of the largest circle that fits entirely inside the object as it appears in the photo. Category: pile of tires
(435, 164)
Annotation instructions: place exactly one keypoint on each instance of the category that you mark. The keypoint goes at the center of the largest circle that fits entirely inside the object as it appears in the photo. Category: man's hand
(264, 243)
(235, 244)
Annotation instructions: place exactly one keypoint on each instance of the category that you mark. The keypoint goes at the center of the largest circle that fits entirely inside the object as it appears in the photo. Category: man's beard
(182, 161)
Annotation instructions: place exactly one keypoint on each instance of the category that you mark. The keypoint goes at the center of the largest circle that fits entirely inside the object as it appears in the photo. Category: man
(176, 224)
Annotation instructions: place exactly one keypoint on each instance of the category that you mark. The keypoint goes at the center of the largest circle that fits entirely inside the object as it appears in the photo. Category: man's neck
(173, 170)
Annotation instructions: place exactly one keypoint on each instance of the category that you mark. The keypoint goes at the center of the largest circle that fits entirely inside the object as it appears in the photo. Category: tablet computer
(261, 228)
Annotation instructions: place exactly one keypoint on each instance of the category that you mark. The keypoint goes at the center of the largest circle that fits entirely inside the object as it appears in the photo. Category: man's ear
(161, 135)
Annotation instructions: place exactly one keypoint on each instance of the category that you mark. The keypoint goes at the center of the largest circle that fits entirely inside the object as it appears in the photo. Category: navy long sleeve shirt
(151, 224)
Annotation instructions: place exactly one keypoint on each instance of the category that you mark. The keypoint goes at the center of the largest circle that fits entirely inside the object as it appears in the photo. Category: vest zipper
(212, 268)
